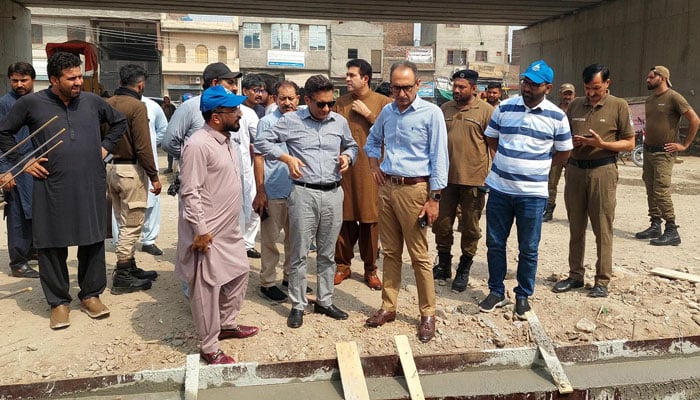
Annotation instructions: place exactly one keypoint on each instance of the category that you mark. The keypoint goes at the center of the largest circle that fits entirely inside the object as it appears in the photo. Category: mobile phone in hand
(264, 215)
(423, 221)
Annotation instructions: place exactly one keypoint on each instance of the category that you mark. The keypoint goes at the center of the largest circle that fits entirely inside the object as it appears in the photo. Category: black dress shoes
(331, 311)
(24, 271)
(152, 249)
(295, 318)
(252, 253)
(566, 285)
(598, 291)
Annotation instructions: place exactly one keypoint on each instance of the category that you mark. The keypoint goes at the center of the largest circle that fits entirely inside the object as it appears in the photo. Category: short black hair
(317, 83)
(364, 67)
(384, 88)
(286, 83)
(59, 61)
(404, 64)
(252, 81)
(594, 69)
(131, 74)
(494, 85)
(22, 68)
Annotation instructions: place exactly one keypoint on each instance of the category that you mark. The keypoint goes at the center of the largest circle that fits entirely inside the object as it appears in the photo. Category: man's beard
(234, 127)
(651, 86)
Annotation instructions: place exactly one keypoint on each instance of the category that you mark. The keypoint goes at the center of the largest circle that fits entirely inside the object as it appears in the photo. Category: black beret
(468, 74)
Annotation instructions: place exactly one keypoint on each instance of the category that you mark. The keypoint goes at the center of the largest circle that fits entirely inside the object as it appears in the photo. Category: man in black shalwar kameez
(69, 185)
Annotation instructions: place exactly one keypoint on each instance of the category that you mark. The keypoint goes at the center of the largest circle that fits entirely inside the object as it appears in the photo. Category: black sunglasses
(322, 104)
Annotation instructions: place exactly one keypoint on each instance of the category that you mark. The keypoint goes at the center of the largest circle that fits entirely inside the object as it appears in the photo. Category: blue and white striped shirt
(526, 140)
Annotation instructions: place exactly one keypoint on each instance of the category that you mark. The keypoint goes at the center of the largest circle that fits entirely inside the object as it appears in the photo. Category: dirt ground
(153, 329)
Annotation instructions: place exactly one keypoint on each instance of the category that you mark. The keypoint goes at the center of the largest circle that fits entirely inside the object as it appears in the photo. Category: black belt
(318, 186)
(654, 149)
(402, 180)
(122, 161)
(589, 164)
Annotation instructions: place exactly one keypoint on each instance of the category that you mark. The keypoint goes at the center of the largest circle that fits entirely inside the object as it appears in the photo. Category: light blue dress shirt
(278, 185)
(415, 142)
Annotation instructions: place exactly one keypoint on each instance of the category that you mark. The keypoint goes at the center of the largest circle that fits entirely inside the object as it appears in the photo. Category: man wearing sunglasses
(411, 176)
(320, 148)
(526, 135)
(360, 106)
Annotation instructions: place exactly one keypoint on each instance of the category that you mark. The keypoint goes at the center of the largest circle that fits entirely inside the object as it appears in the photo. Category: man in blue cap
(525, 136)
(211, 255)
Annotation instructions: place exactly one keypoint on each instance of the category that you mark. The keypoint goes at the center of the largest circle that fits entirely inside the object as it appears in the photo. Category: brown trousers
(399, 207)
(656, 174)
(591, 193)
(472, 201)
(553, 183)
(366, 235)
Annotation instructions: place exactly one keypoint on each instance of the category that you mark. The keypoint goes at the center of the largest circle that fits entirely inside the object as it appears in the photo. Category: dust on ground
(153, 329)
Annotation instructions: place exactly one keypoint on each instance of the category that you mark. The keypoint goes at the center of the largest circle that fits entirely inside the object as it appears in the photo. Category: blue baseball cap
(539, 72)
(219, 96)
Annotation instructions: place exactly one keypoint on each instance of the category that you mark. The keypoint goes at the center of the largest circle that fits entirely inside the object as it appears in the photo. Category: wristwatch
(435, 196)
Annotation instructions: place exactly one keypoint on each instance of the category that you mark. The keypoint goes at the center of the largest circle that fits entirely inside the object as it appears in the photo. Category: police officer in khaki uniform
(601, 128)
(567, 92)
(663, 110)
(466, 117)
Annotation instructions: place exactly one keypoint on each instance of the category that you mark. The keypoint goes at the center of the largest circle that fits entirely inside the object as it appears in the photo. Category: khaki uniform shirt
(610, 119)
(663, 115)
(466, 144)
(361, 192)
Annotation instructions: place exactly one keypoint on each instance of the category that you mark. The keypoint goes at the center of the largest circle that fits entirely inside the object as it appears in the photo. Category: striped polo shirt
(527, 137)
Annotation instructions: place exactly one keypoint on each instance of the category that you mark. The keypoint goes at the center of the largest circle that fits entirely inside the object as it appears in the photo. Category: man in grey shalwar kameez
(211, 254)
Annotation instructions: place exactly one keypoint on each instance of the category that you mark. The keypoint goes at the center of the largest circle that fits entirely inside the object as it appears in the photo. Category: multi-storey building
(189, 44)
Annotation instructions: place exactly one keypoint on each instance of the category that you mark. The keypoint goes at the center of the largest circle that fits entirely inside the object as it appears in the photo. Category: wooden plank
(351, 374)
(409, 367)
(546, 347)
(673, 274)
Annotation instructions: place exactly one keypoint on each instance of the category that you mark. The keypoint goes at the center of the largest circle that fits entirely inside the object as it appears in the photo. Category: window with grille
(251, 36)
(180, 53)
(37, 34)
(222, 54)
(317, 37)
(456, 57)
(481, 55)
(75, 33)
(285, 36)
(201, 55)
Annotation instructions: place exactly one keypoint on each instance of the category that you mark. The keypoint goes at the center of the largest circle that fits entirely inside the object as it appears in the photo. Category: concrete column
(16, 34)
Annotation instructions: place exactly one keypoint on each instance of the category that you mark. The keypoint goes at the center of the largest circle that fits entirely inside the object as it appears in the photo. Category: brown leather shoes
(380, 318)
(341, 276)
(373, 280)
(59, 317)
(239, 332)
(426, 329)
(217, 358)
(94, 308)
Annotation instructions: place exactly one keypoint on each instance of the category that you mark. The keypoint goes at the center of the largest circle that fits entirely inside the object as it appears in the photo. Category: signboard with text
(283, 58)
